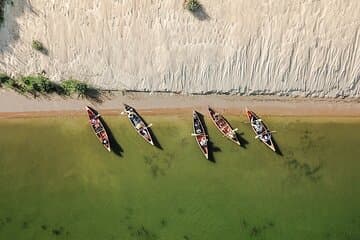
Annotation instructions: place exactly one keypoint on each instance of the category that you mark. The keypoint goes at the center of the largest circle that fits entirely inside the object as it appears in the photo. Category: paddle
(198, 134)
(126, 112)
(259, 135)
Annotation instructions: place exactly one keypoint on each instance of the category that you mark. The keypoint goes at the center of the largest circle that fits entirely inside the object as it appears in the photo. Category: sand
(246, 47)
(15, 105)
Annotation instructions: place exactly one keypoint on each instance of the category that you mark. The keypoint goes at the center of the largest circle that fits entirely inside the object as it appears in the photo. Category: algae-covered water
(58, 182)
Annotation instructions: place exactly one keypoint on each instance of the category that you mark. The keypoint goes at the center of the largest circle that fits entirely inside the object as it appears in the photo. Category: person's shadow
(243, 142)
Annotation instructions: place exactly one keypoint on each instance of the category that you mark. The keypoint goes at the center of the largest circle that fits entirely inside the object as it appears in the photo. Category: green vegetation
(72, 86)
(38, 46)
(35, 84)
(39, 84)
(58, 182)
(4, 78)
(192, 5)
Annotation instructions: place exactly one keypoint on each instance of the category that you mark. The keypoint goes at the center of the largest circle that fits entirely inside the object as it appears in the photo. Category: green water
(57, 182)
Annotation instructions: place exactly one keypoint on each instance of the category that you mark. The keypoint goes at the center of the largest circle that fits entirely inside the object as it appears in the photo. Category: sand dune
(298, 47)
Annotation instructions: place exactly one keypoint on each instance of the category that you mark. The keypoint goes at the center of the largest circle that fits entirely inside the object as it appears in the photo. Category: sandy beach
(15, 105)
(297, 58)
(281, 47)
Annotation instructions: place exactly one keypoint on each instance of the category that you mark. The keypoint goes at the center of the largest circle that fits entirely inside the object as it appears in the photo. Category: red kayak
(223, 126)
(98, 127)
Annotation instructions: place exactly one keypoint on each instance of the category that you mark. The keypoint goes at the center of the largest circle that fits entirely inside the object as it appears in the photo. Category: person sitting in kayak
(135, 120)
(143, 132)
(203, 141)
(98, 128)
(231, 134)
(257, 125)
(264, 137)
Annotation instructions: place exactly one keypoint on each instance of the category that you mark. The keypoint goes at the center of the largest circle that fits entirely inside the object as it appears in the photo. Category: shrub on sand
(41, 85)
(4, 78)
(34, 84)
(72, 86)
(192, 5)
(38, 46)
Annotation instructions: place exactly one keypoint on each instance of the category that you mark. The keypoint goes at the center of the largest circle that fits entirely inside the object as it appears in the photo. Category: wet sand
(15, 105)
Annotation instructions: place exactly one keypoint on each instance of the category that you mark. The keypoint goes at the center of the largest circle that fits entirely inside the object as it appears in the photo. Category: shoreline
(157, 112)
(13, 105)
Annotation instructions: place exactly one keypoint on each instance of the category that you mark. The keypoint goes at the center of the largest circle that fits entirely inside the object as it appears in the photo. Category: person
(203, 141)
(265, 137)
(196, 123)
(231, 134)
(257, 125)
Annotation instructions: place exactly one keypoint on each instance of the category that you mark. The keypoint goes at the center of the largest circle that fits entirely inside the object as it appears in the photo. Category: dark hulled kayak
(98, 127)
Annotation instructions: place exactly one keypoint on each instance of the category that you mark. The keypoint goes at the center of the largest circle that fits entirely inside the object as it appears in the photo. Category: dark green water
(57, 182)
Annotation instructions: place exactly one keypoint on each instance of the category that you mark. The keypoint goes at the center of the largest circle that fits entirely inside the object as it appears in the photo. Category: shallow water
(57, 181)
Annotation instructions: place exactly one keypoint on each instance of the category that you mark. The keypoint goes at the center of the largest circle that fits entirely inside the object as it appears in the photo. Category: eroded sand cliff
(298, 47)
